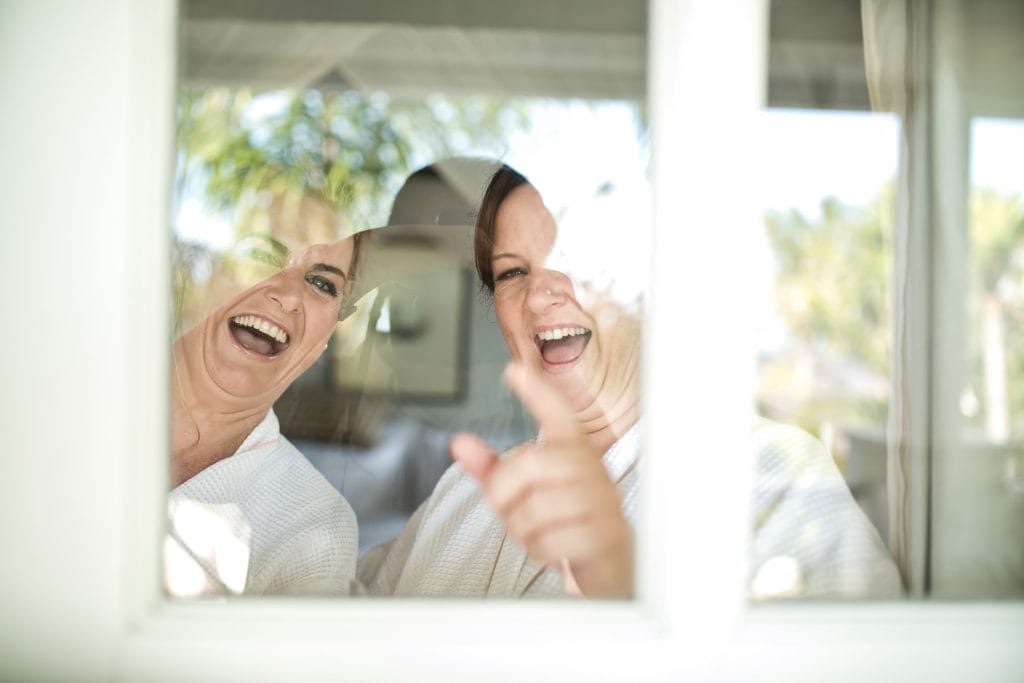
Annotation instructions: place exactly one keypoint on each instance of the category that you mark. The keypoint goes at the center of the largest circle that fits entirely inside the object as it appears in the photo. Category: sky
(810, 155)
(997, 154)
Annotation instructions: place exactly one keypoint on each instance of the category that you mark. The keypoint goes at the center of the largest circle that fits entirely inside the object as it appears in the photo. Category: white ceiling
(558, 48)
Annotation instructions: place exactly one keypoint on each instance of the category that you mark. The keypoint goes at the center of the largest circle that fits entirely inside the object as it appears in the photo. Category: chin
(572, 384)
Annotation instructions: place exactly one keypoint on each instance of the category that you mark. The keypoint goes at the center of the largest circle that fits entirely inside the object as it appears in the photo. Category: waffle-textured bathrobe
(810, 538)
(263, 521)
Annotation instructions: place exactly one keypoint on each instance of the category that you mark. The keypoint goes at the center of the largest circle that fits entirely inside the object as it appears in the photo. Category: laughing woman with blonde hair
(248, 513)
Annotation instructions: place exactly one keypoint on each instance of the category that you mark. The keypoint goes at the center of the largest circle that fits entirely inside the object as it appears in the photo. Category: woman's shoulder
(291, 479)
(772, 434)
(275, 486)
(784, 448)
(806, 517)
(793, 468)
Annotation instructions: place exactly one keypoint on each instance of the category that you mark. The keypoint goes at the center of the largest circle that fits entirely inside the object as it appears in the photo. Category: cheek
(619, 336)
(512, 344)
(320, 323)
(510, 321)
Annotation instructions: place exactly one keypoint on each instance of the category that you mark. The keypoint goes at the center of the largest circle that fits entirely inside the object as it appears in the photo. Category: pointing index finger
(549, 409)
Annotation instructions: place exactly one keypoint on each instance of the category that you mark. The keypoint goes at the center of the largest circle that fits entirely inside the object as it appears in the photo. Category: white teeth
(265, 326)
(550, 335)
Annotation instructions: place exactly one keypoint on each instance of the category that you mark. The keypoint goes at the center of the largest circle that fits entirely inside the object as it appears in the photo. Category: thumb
(473, 453)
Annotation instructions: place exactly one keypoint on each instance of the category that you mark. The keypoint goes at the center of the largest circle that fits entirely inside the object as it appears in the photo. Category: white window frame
(81, 585)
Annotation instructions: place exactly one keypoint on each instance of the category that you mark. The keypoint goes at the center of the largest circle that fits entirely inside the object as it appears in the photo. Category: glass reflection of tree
(310, 164)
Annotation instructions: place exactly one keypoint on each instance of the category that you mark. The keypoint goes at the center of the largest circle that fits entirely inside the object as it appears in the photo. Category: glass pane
(977, 508)
(979, 547)
(893, 255)
(823, 362)
(296, 132)
(993, 401)
(824, 322)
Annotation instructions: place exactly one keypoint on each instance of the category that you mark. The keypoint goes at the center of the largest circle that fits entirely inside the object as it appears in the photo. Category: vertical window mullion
(707, 79)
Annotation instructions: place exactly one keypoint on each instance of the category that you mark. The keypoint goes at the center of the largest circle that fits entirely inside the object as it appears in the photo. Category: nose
(286, 291)
(547, 289)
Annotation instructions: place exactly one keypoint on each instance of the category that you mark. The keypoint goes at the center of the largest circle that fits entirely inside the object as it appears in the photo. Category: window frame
(701, 629)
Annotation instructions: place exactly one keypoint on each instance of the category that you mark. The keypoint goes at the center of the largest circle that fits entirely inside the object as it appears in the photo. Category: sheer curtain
(956, 527)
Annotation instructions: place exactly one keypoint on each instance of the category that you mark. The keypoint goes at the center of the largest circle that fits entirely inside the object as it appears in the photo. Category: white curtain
(954, 530)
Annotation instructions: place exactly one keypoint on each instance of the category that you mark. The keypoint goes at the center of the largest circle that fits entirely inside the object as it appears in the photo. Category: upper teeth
(265, 326)
(548, 335)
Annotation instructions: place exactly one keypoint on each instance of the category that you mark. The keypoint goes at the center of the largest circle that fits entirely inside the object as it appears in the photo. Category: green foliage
(349, 149)
(264, 249)
(834, 285)
(301, 164)
(996, 278)
(997, 239)
(341, 149)
(834, 277)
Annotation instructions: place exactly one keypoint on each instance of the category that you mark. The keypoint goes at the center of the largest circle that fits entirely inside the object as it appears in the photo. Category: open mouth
(258, 335)
(562, 345)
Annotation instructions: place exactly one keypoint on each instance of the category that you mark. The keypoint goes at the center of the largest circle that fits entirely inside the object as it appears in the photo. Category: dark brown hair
(504, 180)
(353, 266)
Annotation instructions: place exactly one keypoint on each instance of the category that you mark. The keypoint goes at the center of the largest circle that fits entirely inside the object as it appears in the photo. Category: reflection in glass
(247, 512)
(825, 325)
(893, 307)
(980, 516)
(993, 400)
(552, 515)
(824, 320)
(264, 167)
(365, 144)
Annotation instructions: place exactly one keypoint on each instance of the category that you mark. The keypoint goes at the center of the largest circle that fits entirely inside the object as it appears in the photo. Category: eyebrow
(324, 267)
(498, 257)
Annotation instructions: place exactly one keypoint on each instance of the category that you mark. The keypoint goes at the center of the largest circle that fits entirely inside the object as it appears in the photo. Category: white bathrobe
(263, 521)
(810, 538)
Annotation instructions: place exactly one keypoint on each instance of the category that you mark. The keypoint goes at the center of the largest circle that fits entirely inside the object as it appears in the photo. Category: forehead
(337, 254)
(523, 220)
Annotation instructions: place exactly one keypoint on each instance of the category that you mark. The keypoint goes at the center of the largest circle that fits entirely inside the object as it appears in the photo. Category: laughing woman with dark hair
(550, 516)
(248, 513)
(555, 516)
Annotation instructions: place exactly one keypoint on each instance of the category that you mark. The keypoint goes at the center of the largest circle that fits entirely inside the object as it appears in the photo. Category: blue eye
(323, 284)
(509, 274)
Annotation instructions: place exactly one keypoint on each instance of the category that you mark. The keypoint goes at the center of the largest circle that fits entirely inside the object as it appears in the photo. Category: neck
(207, 424)
(604, 424)
(607, 411)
